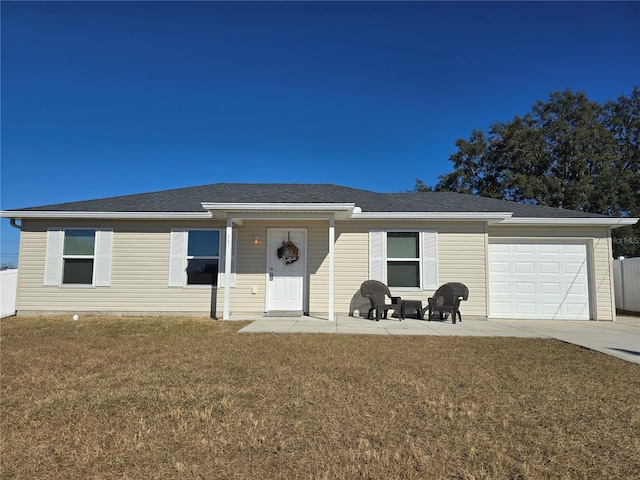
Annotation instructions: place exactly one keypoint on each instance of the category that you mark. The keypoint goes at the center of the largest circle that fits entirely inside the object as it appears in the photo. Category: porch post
(332, 239)
(227, 268)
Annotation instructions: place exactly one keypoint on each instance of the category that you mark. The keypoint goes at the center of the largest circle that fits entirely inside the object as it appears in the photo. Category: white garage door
(538, 281)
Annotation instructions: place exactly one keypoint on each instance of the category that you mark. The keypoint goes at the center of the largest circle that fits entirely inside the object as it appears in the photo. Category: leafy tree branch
(568, 152)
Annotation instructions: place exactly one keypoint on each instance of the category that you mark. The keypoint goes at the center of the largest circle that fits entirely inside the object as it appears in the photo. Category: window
(197, 258)
(78, 257)
(404, 259)
(203, 255)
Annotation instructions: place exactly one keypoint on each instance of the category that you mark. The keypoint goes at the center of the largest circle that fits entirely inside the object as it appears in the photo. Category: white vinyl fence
(626, 283)
(8, 288)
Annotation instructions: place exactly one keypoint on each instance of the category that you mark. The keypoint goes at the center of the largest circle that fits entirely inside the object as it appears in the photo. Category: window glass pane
(402, 245)
(202, 272)
(403, 274)
(203, 243)
(78, 271)
(79, 242)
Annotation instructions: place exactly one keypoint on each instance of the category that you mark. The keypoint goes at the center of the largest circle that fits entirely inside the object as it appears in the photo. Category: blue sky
(111, 98)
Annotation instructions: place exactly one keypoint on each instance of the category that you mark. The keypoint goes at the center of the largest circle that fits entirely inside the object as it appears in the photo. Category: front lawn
(134, 398)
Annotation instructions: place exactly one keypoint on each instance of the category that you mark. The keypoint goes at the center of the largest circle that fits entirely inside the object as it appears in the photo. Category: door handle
(271, 276)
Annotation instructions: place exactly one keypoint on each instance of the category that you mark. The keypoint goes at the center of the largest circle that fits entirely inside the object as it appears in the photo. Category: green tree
(622, 119)
(568, 152)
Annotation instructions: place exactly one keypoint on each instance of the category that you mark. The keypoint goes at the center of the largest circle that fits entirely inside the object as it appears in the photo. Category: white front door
(285, 281)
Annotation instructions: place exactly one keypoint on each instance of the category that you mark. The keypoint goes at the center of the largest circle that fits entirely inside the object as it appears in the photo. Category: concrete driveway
(620, 338)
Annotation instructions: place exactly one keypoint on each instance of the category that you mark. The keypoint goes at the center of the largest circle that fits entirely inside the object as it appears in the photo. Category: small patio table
(411, 306)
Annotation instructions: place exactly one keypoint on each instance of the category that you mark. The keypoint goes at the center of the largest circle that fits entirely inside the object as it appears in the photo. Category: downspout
(13, 223)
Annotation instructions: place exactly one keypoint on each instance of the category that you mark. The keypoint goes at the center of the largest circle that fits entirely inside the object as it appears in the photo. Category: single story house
(245, 249)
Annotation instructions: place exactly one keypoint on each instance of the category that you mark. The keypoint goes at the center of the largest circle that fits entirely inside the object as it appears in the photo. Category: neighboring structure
(8, 289)
(626, 283)
(307, 248)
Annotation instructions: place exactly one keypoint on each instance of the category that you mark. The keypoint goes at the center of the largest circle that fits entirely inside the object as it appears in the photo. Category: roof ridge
(282, 192)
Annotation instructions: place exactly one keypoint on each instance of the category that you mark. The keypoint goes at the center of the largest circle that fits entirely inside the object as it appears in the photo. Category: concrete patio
(620, 338)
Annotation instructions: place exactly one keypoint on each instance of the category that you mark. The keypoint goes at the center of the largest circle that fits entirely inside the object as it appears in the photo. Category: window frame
(66, 256)
(202, 257)
(427, 257)
(55, 256)
(417, 259)
(178, 255)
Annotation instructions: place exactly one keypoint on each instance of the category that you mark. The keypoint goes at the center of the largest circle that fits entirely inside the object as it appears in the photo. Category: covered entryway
(289, 290)
(547, 281)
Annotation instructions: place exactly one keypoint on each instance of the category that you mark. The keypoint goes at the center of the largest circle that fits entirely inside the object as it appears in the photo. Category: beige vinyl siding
(318, 268)
(464, 251)
(251, 267)
(139, 273)
(351, 264)
(603, 278)
(599, 256)
(461, 258)
(140, 266)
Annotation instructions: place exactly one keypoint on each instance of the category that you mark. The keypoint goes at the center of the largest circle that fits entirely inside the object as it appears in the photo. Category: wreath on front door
(288, 252)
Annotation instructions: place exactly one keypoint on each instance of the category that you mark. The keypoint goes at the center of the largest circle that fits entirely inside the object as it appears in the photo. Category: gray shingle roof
(189, 200)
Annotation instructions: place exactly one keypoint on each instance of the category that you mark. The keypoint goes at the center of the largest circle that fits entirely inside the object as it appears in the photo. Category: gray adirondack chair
(377, 293)
(447, 300)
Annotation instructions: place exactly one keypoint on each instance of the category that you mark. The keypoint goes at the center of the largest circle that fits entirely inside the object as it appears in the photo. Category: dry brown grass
(156, 398)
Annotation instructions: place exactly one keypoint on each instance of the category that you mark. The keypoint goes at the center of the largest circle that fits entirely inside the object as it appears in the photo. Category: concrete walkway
(620, 338)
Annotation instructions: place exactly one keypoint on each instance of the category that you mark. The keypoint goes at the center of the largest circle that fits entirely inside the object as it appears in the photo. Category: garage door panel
(571, 268)
(525, 288)
(523, 308)
(500, 267)
(574, 249)
(575, 310)
(523, 249)
(551, 249)
(524, 267)
(545, 281)
(579, 290)
(549, 268)
(501, 308)
(549, 308)
(501, 287)
(547, 288)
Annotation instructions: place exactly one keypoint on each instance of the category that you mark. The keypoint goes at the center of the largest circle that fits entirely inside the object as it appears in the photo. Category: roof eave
(489, 217)
(57, 214)
(585, 221)
(337, 210)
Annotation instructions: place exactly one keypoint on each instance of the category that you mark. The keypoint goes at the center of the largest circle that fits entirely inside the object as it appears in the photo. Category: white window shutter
(223, 253)
(376, 255)
(53, 257)
(429, 260)
(104, 240)
(178, 258)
